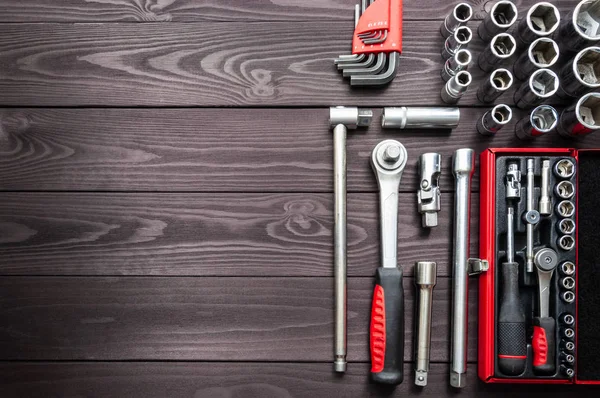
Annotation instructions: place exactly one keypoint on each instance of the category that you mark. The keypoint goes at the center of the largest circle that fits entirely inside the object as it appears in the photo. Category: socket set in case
(539, 298)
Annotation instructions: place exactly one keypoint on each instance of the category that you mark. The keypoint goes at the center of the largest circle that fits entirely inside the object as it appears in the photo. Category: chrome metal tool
(342, 119)
(544, 326)
(456, 87)
(460, 15)
(542, 84)
(387, 313)
(541, 20)
(494, 119)
(415, 117)
(545, 194)
(425, 280)
(542, 53)
(581, 75)
(542, 120)
(581, 28)
(429, 195)
(460, 61)
(459, 39)
(581, 118)
(500, 18)
(531, 216)
(498, 52)
(463, 167)
(498, 82)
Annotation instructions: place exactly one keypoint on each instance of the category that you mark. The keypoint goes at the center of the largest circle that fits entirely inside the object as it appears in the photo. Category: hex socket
(542, 120)
(569, 297)
(581, 75)
(581, 28)
(581, 118)
(420, 118)
(501, 17)
(565, 189)
(542, 53)
(566, 226)
(460, 61)
(565, 209)
(498, 82)
(542, 84)
(456, 87)
(498, 52)
(568, 345)
(568, 332)
(566, 242)
(460, 15)
(541, 20)
(494, 119)
(459, 39)
(567, 268)
(568, 319)
(568, 283)
(564, 168)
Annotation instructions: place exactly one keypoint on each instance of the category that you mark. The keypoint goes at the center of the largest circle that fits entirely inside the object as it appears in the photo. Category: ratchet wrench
(387, 312)
(544, 326)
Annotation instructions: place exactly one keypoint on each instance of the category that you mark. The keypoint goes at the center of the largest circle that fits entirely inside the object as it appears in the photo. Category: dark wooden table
(166, 198)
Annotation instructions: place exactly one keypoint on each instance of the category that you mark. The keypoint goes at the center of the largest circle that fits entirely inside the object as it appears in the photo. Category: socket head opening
(566, 209)
(565, 189)
(463, 35)
(564, 168)
(462, 57)
(502, 114)
(503, 45)
(504, 14)
(566, 242)
(569, 319)
(587, 66)
(463, 12)
(463, 78)
(501, 79)
(568, 283)
(570, 346)
(569, 358)
(586, 19)
(543, 19)
(568, 268)
(544, 118)
(544, 83)
(569, 333)
(588, 110)
(566, 226)
(543, 52)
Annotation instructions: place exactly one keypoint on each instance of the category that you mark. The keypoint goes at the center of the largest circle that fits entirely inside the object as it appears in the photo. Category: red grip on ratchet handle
(543, 344)
(379, 29)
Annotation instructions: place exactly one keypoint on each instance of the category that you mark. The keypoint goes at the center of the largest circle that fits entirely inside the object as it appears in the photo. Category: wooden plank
(194, 10)
(210, 64)
(215, 150)
(260, 380)
(208, 234)
(204, 319)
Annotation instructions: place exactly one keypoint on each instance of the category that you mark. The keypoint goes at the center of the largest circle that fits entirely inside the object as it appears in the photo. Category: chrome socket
(542, 85)
(581, 118)
(501, 17)
(581, 28)
(542, 53)
(493, 120)
(460, 15)
(456, 87)
(568, 319)
(567, 268)
(581, 75)
(420, 118)
(460, 39)
(567, 358)
(568, 297)
(566, 242)
(565, 209)
(497, 84)
(545, 203)
(569, 372)
(568, 283)
(498, 52)
(542, 120)
(568, 345)
(566, 226)
(541, 20)
(565, 189)
(564, 168)
(568, 332)
(460, 61)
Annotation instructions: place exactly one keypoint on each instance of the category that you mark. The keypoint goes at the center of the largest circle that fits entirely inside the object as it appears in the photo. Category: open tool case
(569, 353)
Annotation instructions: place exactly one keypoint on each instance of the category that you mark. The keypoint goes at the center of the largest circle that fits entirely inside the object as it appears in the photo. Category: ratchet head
(351, 117)
(546, 260)
(389, 159)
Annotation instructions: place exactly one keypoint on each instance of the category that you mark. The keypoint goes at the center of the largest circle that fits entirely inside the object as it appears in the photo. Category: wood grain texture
(208, 234)
(216, 150)
(210, 64)
(214, 10)
(204, 319)
(247, 380)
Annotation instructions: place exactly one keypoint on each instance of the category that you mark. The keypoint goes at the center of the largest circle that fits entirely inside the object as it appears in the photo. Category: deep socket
(420, 117)
(581, 75)
(567, 268)
(567, 283)
(542, 53)
(460, 15)
(542, 120)
(541, 20)
(568, 297)
(493, 120)
(542, 85)
(460, 61)
(567, 319)
(456, 87)
(566, 242)
(565, 209)
(499, 81)
(581, 28)
(564, 168)
(581, 118)
(498, 52)
(565, 189)
(460, 39)
(566, 226)
(501, 17)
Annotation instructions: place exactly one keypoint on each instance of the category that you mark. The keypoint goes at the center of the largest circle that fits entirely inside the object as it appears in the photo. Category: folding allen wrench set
(539, 296)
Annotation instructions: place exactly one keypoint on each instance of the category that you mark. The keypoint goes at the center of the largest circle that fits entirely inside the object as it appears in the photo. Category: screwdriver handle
(544, 345)
(387, 327)
(512, 333)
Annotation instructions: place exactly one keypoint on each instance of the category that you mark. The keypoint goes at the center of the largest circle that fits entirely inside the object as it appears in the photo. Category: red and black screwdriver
(512, 333)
